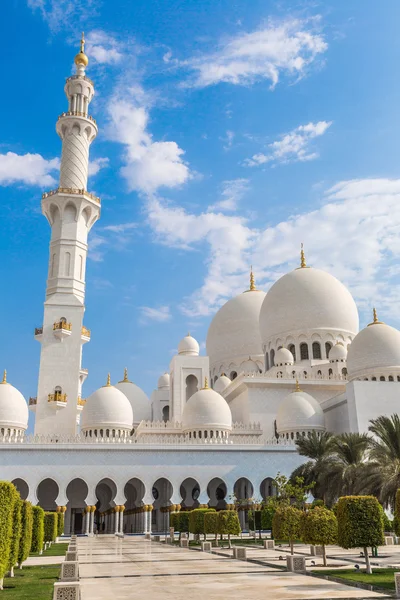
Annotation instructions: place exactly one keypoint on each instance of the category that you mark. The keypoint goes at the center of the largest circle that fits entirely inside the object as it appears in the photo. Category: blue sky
(229, 133)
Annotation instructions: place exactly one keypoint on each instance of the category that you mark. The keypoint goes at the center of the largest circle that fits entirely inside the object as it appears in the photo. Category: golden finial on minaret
(4, 377)
(125, 379)
(206, 384)
(303, 263)
(252, 281)
(81, 58)
(297, 388)
(375, 317)
(108, 384)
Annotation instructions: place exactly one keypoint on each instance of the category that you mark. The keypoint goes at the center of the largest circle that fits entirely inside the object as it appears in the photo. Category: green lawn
(31, 583)
(54, 550)
(382, 578)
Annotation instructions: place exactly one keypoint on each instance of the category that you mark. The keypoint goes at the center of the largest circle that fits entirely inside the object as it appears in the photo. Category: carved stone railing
(62, 190)
(59, 325)
(81, 401)
(32, 401)
(80, 77)
(85, 332)
(57, 397)
(38, 330)
(75, 113)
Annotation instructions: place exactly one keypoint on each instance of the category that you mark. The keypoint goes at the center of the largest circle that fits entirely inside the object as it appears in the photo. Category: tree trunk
(367, 563)
(324, 554)
(229, 540)
(20, 565)
(1, 583)
(12, 572)
(291, 547)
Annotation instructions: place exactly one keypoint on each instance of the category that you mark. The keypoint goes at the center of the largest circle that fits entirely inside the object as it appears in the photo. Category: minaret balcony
(38, 333)
(32, 404)
(83, 373)
(75, 113)
(57, 400)
(69, 191)
(81, 403)
(80, 77)
(62, 329)
(85, 335)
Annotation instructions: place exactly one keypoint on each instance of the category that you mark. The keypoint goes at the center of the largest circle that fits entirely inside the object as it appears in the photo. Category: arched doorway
(192, 385)
(46, 493)
(22, 487)
(267, 488)
(134, 515)
(106, 491)
(243, 490)
(189, 491)
(217, 491)
(77, 491)
(162, 491)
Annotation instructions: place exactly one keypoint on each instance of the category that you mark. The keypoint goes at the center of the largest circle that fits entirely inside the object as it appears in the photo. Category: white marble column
(121, 519)
(87, 520)
(91, 515)
(116, 519)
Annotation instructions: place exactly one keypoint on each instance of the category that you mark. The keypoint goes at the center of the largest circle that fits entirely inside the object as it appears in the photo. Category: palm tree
(383, 474)
(318, 448)
(344, 475)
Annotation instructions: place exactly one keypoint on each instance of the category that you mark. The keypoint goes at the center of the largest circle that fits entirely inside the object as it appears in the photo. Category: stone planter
(389, 540)
(214, 543)
(206, 546)
(147, 536)
(156, 538)
(397, 584)
(296, 564)
(184, 543)
(64, 590)
(316, 551)
(71, 557)
(239, 553)
(169, 540)
(69, 571)
(269, 544)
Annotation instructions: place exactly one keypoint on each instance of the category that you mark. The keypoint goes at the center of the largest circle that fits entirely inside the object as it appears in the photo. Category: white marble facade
(278, 365)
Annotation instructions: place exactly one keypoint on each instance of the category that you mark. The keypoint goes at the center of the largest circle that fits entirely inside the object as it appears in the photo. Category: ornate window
(328, 347)
(272, 355)
(316, 350)
(292, 349)
(304, 351)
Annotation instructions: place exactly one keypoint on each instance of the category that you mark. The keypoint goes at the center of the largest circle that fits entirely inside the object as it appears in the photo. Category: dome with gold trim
(13, 409)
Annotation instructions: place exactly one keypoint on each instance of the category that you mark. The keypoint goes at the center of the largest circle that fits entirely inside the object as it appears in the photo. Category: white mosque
(279, 365)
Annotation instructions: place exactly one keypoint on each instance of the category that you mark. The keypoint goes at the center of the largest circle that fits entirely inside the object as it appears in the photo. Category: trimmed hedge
(267, 515)
(50, 526)
(16, 535)
(37, 529)
(196, 519)
(25, 541)
(360, 524)
(319, 527)
(8, 497)
(211, 523)
(60, 523)
(180, 521)
(286, 524)
(228, 523)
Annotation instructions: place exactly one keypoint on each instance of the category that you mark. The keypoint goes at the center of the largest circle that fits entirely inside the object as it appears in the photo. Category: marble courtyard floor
(116, 569)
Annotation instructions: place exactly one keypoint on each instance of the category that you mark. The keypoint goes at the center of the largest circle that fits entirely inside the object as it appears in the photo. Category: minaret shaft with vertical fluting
(71, 212)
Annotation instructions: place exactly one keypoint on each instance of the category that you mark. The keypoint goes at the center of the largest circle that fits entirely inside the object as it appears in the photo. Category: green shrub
(267, 514)
(50, 526)
(286, 524)
(180, 521)
(196, 519)
(396, 520)
(387, 523)
(60, 524)
(37, 529)
(25, 541)
(228, 523)
(360, 523)
(16, 535)
(317, 502)
(319, 527)
(8, 497)
(211, 523)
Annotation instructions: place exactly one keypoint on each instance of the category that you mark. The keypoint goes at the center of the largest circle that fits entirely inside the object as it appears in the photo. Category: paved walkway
(118, 569)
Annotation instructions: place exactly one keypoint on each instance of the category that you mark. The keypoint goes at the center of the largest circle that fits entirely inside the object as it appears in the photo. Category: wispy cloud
(232, 193)
(121, 227)
(104, 48)
(276, 49)
(160, 314)
(294, 146)
(96, 164)
(355, 235)
(28, 169)
(62, 14)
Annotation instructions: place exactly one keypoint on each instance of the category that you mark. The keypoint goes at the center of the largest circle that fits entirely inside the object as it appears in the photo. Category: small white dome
(141, 405)
(163, 381)
(283, 357)
(206, 409)
(299, 412)
(249, 366)
(108, 408)
(234, 332)
(375, 347)
(221, 383)
(189, 346)
(306, 300)
(338, 353)
(13, 407)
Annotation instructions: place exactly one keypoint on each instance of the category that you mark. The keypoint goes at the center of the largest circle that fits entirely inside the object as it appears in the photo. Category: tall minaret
(71, 211)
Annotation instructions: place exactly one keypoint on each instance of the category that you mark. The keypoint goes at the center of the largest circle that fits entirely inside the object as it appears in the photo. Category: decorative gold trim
(4, 376)
(108, 384)
(78, 192)
(297, 387)
(57, 397)
(62, 325)
(85, 332)
(205, 384)
(375, 316)
(125, 379)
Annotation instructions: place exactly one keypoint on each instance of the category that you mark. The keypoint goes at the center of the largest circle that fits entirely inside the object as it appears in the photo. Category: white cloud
(149, 165)
(292, 147)
(29, 169)
(97, 164)
(104, 48)
(232, 193)
(355, 235)
(60, 14)
(279, 48)
(121, 227)
(160, 314)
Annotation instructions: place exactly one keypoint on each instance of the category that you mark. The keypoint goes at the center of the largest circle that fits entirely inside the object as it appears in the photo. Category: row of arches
(304, 352)
(133, 511)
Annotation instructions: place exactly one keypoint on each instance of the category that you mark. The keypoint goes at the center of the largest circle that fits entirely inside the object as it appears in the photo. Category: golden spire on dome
(252, 281)
(125, 379)
(375, 316)
(108, 384)
(4, 377)
(297, 388)
(81, 58)
(205, 384)
(303, 263)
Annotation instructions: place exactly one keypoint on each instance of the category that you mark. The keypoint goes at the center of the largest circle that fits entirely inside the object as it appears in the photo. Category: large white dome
(299, 412)
(234, 332)
(188, 346)
(108, 408)
(206, 409)
(375, 347)
(221, 383)
(141, 405)
(13, 407)
(306, 300)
